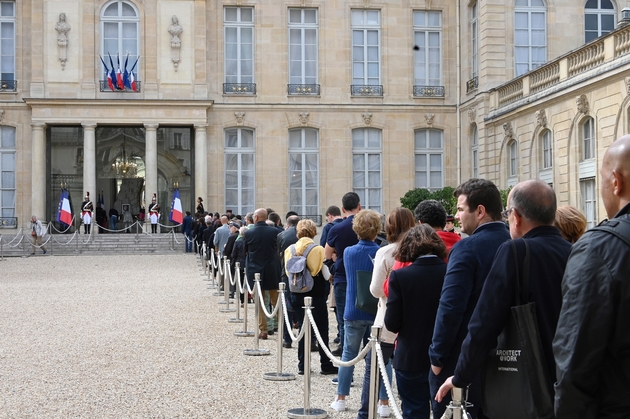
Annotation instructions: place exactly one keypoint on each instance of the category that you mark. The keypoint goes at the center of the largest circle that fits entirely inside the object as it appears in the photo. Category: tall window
(429, 158)
(366, 167)
(474, 38)
(119, 24)
(546, 149)
(589, 201)
(238, 24)
(427, 32)
(513, 156)
(366, 47)
(588, 139)
(303, 46)
(530, 35)
(7, 171)
(599, 18)
(240, 170)
(475, 152)
(304, 171)
(7, 42)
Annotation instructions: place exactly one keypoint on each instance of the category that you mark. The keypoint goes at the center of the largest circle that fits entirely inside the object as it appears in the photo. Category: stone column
(38, 187)
(150, 162)
(201, 162)
(89, 167)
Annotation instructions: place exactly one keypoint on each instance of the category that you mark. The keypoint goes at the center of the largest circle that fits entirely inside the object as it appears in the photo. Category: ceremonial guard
(154, 214)
(87, 209)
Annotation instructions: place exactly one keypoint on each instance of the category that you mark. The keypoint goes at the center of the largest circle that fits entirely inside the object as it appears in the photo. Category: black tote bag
(515, 379)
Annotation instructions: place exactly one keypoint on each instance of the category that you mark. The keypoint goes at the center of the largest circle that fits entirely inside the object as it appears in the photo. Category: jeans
(340, 299)
(320, 315)
(413, 389)
(188, 238)
(388, 350)
(113, 220)
(355, 332)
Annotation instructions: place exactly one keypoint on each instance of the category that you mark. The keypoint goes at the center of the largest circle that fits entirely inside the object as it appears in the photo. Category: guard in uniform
(87, 209)
(154, 214)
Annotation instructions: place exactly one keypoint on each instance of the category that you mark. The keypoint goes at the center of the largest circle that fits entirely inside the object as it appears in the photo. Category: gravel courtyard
(136, 337)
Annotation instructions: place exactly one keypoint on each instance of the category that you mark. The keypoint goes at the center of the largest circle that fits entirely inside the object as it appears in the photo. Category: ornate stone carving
(176, 43)
(507, 129)
(1, 116)
(367, 118)
(582, 104)
(62, 27)
(304, 118)
(429, 117)
(541, 118)
(627, 80)
(240, 117)
(472, 115)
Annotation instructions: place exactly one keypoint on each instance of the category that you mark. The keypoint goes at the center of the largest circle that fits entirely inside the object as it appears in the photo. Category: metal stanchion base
(244, 334)
(278, 376)
(227, 310)
(307, 413)
(235, 320)
(218, 294)
(256, 352)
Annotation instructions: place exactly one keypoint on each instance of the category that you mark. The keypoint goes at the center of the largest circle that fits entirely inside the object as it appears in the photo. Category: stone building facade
(289, 104)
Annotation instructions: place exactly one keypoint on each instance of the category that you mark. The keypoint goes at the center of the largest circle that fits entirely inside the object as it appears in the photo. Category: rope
(43, 244)
(388, 386)
(289, 326)
(62, 232)
(262, 303)
(18, 243)
(66, 243)
(19, 236)
(228, 272)
(164, 225)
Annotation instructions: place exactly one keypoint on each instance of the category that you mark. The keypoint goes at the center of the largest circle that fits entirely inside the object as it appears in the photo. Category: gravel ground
(136, 337)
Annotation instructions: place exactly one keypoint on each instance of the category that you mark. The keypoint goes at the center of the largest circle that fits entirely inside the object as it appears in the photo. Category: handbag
(365, 301)
(515, 380)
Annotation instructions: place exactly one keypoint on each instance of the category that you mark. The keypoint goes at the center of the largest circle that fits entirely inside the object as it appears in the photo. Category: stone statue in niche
(62, 27)
(176, 43)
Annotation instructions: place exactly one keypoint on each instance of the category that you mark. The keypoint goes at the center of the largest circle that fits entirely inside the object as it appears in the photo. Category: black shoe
(314, 347)
(270, 332)
(337, 340)
(286, 344)
(337, 352)
(300, 372)
(329, 371)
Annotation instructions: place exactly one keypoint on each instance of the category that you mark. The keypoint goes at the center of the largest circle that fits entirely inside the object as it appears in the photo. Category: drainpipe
(459, 94)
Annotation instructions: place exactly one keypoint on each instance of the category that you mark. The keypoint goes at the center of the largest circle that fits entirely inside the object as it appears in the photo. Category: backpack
(300, 278)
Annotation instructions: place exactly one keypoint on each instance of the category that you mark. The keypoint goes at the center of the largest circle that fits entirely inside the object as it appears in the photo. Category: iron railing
(428, 91)
(104, 87)
(366, 90)
(239, 88)
(303, 89)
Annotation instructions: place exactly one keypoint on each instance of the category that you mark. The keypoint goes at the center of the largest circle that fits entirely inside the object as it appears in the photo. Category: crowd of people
(445, 294)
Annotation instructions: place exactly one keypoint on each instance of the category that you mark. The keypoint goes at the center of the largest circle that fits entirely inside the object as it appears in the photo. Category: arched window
(546, 150)
(119, 34)
(366, 167)
(530, 35)
(513, 159)
(304, 171)
(475, 151)
(599, 18)
(240, 170)
(588, 139)
(7, 45)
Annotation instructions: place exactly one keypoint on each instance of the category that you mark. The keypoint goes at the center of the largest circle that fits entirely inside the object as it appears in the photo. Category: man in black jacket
(592, 343)
(531, 214)
(286, 239)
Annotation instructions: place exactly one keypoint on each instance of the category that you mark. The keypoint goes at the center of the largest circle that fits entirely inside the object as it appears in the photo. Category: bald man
(531, 213)
(263, 258)
(592, 343)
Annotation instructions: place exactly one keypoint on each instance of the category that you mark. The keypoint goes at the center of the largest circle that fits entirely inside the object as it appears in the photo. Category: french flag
(119, 76)
(110, 83)
(65, 213)
(177, 215)
(111, 76)
(132, 79)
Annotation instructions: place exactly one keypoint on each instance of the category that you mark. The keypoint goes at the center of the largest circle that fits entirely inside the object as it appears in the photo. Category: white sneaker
(384, 411)
(338, 405)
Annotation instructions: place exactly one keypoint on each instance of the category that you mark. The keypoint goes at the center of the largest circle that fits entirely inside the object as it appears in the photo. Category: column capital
(201, 127)
(38, 126)
(151, 127)
(88, 125)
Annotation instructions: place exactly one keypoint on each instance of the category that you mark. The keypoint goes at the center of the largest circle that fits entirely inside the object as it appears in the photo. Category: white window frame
(429, 154)
(240, 25)
(474, 35)
(362, 27)
(301, 154)
(363, 153)
(587, 139)
(7, 58)
(529, 10)
(121, 20)
(589, 201)
(240, 151)
(475, 152)
(513, 158)
(599, 13)
(303, 27)
(422, 56)
(546, 150)
(8, 171)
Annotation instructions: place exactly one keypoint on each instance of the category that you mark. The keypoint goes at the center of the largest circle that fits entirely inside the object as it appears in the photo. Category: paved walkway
(137, 336)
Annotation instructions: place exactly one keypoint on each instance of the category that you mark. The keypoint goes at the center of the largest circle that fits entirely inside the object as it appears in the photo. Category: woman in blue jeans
(414, 295)
(367, 224)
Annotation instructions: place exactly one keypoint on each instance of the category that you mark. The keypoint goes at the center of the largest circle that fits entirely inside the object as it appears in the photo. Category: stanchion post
(244, 333)
(216, 273)
(306, 411)
(374, 372)
(237, 291)
(257, 297)
(279, 375)
(457, 407)
(226, 286)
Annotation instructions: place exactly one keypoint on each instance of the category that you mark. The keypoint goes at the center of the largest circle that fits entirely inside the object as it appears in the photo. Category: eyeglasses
(507, 212)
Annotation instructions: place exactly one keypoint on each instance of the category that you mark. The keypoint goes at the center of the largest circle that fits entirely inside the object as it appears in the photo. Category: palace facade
(291, 103)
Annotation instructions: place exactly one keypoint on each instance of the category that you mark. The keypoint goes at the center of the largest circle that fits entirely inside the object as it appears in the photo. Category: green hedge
(444, 196)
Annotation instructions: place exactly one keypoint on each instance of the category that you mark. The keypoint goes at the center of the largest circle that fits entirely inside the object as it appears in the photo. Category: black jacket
(262, 255)
(285, 239)
(592, 342)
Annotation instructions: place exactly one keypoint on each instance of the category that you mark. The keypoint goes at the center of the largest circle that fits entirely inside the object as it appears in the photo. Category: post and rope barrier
(278, 375)
(244, 332)
(226, 286)
(257, 300)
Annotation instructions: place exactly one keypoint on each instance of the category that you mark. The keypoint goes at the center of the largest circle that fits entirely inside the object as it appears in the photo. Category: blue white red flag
(132, 79)
(101, 200)
(109, 76)
(176, 215)
(126, 81)
(64, 215)
(112, 73)
(119, 77)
